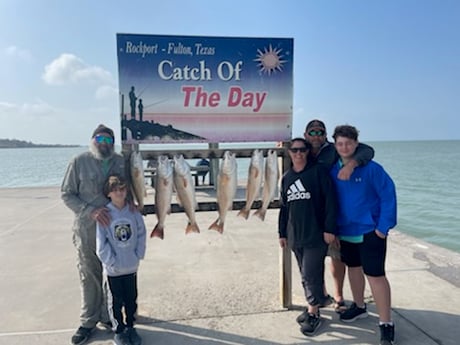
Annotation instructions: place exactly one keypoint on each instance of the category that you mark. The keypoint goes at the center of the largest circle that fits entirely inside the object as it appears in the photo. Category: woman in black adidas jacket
(307, 224)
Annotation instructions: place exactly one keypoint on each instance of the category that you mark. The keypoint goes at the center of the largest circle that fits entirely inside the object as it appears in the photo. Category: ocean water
(426, 175)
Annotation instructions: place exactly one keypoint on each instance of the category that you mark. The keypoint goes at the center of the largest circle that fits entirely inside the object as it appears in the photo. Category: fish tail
(244, 213)
(216, 226)
(260, 213)
(192, 227)
(158, 231)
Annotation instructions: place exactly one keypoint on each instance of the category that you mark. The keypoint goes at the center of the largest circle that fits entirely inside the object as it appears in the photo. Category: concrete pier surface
(206, 288)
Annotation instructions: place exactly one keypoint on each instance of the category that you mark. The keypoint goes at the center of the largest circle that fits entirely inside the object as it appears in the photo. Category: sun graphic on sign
(270, 60)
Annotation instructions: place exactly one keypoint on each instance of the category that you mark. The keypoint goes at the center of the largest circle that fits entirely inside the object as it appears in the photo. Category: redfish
(227, 180)
(185, 191)
(255, 174)
(270, 187)
(163, 194)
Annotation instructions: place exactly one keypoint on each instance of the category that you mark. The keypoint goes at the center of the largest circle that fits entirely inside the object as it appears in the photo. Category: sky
(391, 68)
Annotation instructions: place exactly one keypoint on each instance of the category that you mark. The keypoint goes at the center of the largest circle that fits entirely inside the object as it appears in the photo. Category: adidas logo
(297, 191)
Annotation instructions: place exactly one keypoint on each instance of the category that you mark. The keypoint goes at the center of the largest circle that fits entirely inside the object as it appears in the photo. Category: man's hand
(346, 171)
(101, 215)
(336, 243)
(328, 237)
(283, 242)
(133, 207)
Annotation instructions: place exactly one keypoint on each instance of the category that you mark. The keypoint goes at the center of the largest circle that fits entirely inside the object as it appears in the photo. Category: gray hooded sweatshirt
(121, 245)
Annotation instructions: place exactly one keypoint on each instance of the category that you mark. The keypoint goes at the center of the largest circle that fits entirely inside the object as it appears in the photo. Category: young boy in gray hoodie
(120, 246)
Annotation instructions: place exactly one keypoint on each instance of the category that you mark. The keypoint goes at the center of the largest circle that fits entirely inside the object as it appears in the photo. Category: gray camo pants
(93, 286)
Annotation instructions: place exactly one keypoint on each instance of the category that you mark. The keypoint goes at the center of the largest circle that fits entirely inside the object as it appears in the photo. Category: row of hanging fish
(170, 177)
(270, 182)
(258, 175)
(175, 176)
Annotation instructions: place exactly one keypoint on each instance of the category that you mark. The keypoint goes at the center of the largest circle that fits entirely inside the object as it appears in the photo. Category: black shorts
(370, 254)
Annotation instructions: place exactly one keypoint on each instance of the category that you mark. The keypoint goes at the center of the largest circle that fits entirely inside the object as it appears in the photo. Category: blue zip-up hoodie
(367, 201)
(121, 245)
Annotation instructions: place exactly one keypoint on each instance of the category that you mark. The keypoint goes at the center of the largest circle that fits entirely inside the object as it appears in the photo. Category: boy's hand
(380, 234)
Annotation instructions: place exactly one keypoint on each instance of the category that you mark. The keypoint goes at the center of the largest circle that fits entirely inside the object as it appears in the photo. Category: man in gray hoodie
(82, 192)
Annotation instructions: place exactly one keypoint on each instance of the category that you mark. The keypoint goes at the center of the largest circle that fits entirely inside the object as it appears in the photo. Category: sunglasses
(314, 133)
(298, 149)
(102, 139)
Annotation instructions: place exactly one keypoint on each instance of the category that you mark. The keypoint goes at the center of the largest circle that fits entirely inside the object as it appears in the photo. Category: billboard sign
(176, 89)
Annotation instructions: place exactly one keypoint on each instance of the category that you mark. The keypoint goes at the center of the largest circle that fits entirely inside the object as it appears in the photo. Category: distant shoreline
(43, 146)
(21, 144)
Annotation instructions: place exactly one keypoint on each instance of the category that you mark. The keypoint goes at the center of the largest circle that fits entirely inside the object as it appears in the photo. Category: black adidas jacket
(308, 206)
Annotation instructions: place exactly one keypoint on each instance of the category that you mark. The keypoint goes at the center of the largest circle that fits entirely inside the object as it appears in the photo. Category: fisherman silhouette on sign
(140, 107)
(132, 103)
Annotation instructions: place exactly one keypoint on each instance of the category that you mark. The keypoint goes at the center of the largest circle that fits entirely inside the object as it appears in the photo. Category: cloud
(106, 92)
(5, 107)
(38, 108)
(16, 52)
(68, 68)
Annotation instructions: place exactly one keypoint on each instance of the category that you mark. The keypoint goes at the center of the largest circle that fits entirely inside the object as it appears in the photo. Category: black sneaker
(354, 313)
(121, 339)
(107, 325)
(81, 336)
(134, 338)
(328, 300)
(387, 334)
(311, 325)
(302, 317)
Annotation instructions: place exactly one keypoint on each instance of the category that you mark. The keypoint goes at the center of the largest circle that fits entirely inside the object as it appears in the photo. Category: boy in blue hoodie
(120, 246)
(367, 212)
